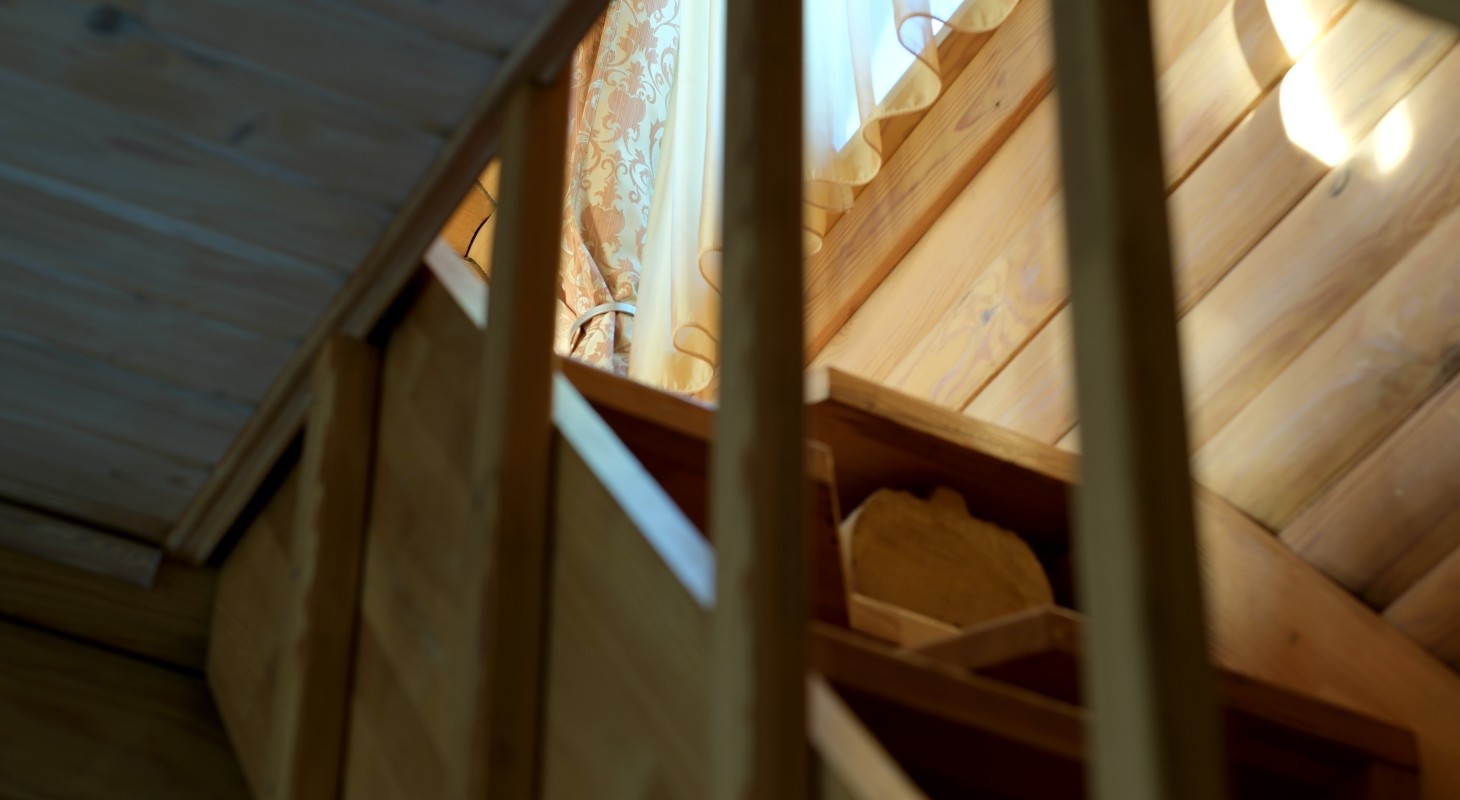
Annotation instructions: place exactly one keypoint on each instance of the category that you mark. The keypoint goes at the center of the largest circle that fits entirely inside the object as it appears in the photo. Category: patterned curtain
(621, 79)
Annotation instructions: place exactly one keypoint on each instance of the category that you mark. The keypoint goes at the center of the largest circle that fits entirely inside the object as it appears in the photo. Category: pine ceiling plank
(328, 142)
(379, 63)
(1383, 525)
(1426, 612)
(280, 299)
(51, 465)
(1227, 205)
(93, 396)
(167, 621)
(910, 327)
(1374, 365)
(76, 546)
(129, 329)
(50, 132)
(488, 27)
(76, 721)
(378, 280)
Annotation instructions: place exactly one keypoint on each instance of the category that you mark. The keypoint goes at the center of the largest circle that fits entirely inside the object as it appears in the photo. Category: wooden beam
(311, 694)
(64, 542)
(375, 284)
(166, 621)
(758, 510)
(510, 466)
(1150, 684)
(847, 749)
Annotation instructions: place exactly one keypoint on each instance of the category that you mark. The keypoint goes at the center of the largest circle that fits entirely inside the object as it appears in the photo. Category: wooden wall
(81, 723)
(1313, 170)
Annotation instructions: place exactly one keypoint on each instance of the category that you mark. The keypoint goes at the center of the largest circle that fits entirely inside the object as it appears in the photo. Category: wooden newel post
(757, 506)
(1150, 684)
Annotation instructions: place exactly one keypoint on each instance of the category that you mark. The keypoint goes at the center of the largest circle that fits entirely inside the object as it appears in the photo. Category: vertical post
(758, 482)
(511, 469)
(1148, 675)
(311, 694)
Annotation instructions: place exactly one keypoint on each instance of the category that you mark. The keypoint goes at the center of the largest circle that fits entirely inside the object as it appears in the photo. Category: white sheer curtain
(856, 52)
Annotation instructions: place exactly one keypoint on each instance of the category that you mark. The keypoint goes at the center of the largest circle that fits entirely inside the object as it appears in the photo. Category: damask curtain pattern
(621, 79)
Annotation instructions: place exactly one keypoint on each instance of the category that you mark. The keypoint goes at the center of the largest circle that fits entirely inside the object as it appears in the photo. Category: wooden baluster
(511, 470)
(1149, 680)
(757, 501)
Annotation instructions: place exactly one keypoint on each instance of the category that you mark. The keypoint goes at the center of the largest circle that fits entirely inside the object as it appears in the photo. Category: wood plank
(1225, 207)
(1426, 611)
(884, 438)
(279, 298)
(1383, 525)
(377, 281)
(486, 27)
(1277, 619)
(61, 541)
(143, 164)
(894, 624)
(1014, 189)
(248, 634)
(167, 620)
(80, 722)
(128, 329)
(1363, 376)
(311, 698)
(633, 582)
(758, 505)
(510, 467)
(374, 61)
(278, 124)
(117, 485)
(99, 398)
(954, 141)
(1154, 729)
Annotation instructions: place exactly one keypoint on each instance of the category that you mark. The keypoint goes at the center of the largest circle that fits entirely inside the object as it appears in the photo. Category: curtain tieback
(602, 308)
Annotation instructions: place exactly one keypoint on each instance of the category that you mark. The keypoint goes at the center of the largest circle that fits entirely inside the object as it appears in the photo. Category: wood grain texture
(167, 621)
(78, 722)
(1363, 376)
(1426, 611)
(311, 696)
(953, 142)
(628, 682)
(372, 60)
(1277, 619)
(147, 165)
(245, 287)
(510, 466)
(758, 505)
(251, 115)
(63, 542)
(1002, 204)
(1391, 517)
(247, 632)
(378, 280)
(406, 719)
(1218, 213)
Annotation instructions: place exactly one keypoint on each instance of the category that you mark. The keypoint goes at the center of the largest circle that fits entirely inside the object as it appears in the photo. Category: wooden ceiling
(185, 186)
(1313, 165)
